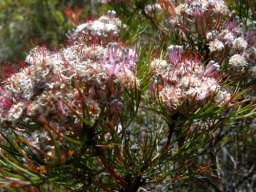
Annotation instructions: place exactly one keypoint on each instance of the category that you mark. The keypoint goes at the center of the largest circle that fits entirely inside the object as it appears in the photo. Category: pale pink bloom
(185, 83)
(238, 60)
(105, 26)
(239, 43)
(174, 53)
(216, 45)
(211, 69)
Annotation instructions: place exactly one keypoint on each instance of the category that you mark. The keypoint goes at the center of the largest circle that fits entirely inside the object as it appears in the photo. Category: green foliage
(25, 24)
(245, 9)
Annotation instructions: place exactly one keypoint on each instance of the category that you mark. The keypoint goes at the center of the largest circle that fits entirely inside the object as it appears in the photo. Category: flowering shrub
(219, 31)
(107, 113)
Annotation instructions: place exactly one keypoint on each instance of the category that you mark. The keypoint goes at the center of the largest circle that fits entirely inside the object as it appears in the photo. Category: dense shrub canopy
(149, 96)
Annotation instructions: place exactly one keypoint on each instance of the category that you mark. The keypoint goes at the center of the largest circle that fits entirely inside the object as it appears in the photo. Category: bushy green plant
(159, 100)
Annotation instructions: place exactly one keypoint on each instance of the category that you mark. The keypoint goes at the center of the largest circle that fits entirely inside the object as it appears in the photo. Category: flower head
(107, 25)
(188, 83)
(53, 82)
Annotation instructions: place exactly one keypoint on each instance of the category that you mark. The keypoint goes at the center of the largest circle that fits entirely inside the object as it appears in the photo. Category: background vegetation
(27, 23)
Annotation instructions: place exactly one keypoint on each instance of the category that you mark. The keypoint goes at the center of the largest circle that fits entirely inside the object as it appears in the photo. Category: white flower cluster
(239, 45)
(40, 88)
(210, 22)
(237, 61)
(196, 20)
(216, 45)
(105, 26)
(191, 10)
(195, 7)
(187, 82)
(230, 38)
(58, 83)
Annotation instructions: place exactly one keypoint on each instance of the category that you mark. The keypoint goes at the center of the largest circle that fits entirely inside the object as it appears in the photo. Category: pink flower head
(112, 69)
(119, 59)
(188, 82)
(62, 109)
(130, 58)
(233, 25)
(211, 69)
(112, 51)
(196, 10)
(174, 53)
(251, 38)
